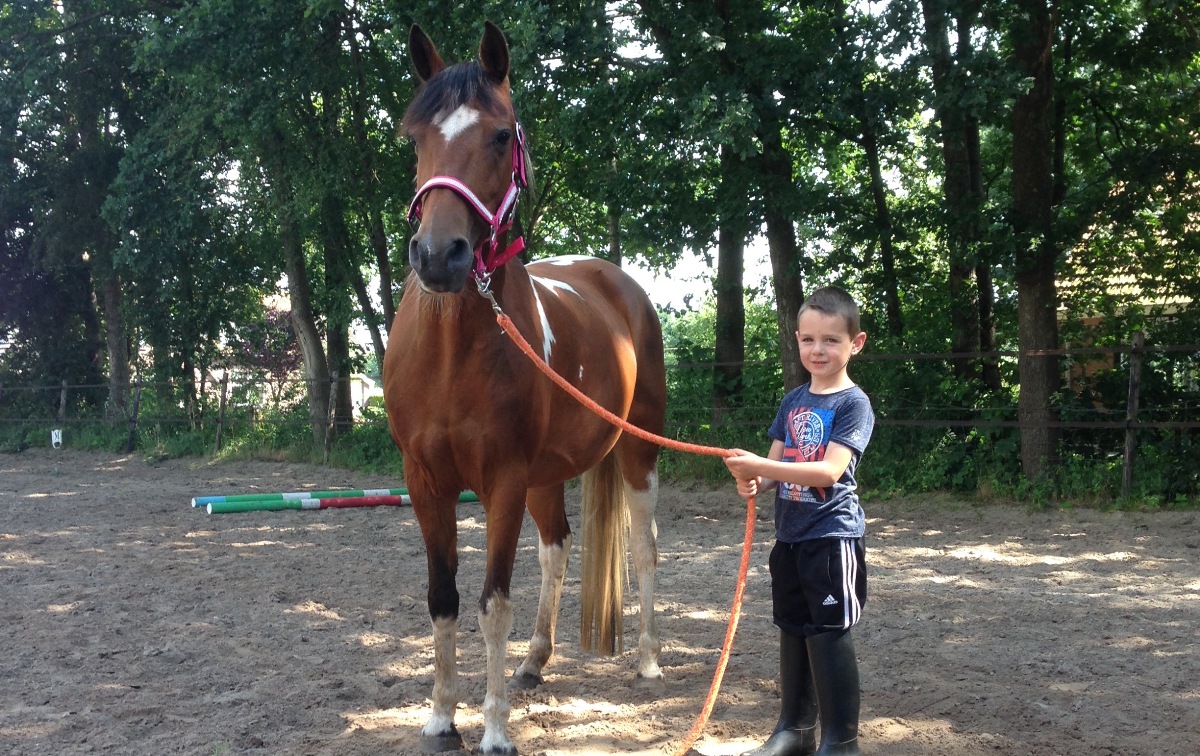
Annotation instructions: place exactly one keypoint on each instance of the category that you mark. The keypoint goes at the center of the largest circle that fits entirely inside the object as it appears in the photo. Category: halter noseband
(486, 258)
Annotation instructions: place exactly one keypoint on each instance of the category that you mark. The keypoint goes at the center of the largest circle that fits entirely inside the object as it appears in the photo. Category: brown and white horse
(469, 411)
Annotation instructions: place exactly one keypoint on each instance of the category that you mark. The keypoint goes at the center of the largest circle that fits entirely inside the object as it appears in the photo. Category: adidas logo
(829, 601)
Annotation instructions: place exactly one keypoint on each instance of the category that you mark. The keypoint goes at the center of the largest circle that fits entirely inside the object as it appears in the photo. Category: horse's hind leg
(554, 546)
(641, 496)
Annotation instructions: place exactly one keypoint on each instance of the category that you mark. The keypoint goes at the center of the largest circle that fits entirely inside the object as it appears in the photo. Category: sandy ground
(135, 624)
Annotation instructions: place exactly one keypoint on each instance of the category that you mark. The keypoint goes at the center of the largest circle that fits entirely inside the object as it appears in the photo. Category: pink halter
(486, 257)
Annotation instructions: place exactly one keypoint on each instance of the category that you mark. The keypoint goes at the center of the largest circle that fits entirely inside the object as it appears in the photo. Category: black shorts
(818, 586)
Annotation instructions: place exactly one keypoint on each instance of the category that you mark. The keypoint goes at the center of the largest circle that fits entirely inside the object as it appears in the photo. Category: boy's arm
(767, 472)
(820, 474)
(745, 467)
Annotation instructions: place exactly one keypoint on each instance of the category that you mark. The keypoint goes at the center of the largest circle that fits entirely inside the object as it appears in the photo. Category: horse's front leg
(505, 512)
(440, 529)
(547, 507)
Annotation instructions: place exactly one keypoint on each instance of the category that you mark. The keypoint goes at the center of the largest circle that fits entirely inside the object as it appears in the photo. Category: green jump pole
(200, 501)
(328, 502)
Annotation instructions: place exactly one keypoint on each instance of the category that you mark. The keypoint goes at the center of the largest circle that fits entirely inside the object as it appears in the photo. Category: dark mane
(454, 86)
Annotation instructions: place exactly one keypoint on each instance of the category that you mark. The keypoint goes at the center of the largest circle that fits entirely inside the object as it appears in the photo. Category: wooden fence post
(62, 403)
(221, 411)
(133, 417)
(1131, 411)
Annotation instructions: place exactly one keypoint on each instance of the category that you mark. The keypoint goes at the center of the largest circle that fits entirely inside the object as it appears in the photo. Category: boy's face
(826, 345)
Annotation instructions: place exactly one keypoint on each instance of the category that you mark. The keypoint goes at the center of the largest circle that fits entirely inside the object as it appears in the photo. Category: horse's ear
(424, 55)
(493, 53)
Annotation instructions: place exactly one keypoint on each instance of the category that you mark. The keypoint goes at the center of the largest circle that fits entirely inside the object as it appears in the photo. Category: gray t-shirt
(806, 423)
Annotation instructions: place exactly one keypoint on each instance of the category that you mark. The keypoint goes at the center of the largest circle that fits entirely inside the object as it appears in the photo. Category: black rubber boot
(835, 676)
(795, 733)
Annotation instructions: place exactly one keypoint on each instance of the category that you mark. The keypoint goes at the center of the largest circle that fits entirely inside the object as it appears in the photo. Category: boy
(818, 568)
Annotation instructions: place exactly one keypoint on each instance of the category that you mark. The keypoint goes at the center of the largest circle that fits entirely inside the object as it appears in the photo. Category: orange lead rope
(735, 612)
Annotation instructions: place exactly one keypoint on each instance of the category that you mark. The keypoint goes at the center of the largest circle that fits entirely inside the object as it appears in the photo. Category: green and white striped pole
(200, 501)
(311, 500)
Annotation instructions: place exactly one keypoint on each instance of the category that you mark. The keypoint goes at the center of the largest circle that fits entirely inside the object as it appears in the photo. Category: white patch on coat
(555, 285)
(453, 124)
(547, 334)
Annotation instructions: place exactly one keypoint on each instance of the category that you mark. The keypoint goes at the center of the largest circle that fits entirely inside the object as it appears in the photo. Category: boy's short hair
(833, 301)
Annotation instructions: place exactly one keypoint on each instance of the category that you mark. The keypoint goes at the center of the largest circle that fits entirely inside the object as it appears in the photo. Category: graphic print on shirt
(807, 438)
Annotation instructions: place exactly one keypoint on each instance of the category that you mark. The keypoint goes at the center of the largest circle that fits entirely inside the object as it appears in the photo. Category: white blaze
(453, 124)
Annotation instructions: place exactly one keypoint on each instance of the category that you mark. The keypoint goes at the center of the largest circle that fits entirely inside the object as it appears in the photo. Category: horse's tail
(605, 534)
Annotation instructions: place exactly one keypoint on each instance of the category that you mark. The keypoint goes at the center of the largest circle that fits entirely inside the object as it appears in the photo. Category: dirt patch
(135, 624)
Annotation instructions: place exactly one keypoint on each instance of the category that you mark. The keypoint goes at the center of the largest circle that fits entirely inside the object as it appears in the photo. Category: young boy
(818, 568)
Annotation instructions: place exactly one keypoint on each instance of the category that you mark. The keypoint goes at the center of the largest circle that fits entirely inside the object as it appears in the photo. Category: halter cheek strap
(487, 257)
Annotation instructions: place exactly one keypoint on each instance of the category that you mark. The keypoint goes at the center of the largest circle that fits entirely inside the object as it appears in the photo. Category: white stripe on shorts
(851, 609)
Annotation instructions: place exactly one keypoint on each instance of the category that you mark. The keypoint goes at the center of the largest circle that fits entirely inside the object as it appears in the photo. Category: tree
(269, 346)
(960, 92)
(68, 85)
(1032, 38)
(302, 121)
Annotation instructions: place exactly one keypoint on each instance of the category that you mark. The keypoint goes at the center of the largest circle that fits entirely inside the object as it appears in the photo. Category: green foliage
(367, 446)
(16, 437)
(159, 161)
(924, 455)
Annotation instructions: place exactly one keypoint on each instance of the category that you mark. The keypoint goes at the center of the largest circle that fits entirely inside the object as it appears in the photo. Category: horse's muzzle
(441, 265)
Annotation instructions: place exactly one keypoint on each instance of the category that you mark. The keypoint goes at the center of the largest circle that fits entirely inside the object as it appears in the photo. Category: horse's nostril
(459, 250)
(414, 253)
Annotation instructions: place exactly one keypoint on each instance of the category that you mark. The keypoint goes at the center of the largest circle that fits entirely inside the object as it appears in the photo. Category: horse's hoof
(442, 742)
(650, 682)
(497, 746)
(526, 681)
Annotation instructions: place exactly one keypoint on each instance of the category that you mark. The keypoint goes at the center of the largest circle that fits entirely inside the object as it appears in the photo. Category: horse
(469, 411)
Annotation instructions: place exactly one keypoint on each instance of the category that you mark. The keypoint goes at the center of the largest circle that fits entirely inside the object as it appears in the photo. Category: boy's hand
(742, 466)
(747, 488)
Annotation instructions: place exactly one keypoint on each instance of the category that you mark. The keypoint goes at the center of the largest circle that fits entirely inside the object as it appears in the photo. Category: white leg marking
(445, 678)
(541, 646)
(496, 623)
(643, 545)
(453, 124)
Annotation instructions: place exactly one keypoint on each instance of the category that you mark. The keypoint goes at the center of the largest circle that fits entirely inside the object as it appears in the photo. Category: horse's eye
(503, 137)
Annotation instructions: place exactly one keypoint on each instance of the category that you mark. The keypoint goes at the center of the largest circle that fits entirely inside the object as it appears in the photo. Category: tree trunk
(338, 286)
(369, 315)
(883, 227)
(376, 234)
(1032, 187)
(987, 327)
(383, 261)
(789, 295)
(316, 371)
(116, 333)
(614, 236)
(775, 181)
(961, 202)
(985, 291)
(730, 327)
(96, 161)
